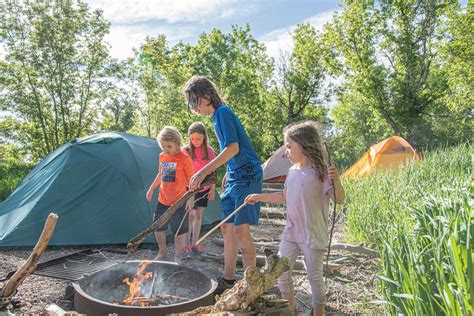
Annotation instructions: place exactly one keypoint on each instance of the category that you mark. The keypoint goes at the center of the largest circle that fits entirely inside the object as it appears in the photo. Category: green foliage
(458, 56)
(236, 62)
(239, 66)
(55, 56)
(388, 60)
(10, 176)
(121, 97)
(13, 167)
(420, 218)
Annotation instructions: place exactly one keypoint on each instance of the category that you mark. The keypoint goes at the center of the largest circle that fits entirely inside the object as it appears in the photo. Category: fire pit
(175, 287)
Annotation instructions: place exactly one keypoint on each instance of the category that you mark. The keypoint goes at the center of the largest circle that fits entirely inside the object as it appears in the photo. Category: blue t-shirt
(229, 130)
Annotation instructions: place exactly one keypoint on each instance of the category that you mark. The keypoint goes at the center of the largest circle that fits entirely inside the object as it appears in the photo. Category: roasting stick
(220, 224)
(333, 211)
(186, 214)
(135, 242)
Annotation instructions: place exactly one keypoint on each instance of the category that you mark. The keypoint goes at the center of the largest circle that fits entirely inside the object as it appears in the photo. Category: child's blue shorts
(234, 195)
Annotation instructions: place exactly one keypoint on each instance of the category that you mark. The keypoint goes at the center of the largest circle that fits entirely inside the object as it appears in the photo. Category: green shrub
(11, 175)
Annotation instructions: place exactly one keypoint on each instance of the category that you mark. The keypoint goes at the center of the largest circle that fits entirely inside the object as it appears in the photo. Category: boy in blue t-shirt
(243, 174)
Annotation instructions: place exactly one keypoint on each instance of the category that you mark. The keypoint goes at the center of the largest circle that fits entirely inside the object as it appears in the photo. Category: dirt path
(351, 290)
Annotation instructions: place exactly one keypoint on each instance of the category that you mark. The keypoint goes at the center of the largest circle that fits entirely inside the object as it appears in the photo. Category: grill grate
(75, 266)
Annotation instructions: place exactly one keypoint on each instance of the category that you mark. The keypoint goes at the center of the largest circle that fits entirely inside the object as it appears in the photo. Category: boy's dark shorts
(201, 199)
(174, 221)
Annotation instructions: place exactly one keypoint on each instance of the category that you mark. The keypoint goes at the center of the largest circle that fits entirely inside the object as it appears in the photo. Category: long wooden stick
(220, 224)
(333, 210)
(30, 265)
(135, 242)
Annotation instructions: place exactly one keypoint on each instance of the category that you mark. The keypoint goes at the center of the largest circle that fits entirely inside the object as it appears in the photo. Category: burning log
(135, 242)
(254, 284)
(29, 266)
(158, 299)
(135, 296)
(135, 284)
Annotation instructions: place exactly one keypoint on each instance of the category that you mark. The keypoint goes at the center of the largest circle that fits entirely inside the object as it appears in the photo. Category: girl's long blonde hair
(306, 134)
(170, 134)
(198, 127)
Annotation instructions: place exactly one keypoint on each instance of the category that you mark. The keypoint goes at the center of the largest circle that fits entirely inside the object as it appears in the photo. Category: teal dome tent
(96, 185)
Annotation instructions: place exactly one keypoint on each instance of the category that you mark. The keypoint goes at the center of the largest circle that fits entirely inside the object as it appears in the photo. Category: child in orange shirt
(175, 170)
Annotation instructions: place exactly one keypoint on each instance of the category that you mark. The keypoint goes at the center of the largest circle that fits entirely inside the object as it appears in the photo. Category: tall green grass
(420, 219)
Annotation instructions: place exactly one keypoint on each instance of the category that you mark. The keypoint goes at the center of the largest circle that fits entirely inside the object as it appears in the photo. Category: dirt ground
(351, 290)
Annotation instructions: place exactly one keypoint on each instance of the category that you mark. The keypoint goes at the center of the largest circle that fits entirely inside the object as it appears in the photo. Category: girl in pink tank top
(201, 154)
(306, 193)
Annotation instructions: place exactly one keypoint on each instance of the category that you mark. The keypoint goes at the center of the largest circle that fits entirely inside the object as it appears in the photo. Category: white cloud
(123, 38)
(281, 40)
(171, 11)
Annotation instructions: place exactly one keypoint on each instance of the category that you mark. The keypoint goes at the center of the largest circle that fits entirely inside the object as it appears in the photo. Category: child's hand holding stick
(135, 242)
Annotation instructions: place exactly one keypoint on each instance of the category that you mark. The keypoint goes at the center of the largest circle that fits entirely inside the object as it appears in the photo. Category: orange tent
(387, 154)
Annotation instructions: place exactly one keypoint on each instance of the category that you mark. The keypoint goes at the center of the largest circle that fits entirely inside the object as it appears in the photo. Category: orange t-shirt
(175, 173)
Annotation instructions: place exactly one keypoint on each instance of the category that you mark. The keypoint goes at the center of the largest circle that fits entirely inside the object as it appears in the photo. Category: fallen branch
(261, 261)
(272, 221)
(267, 212)
(357, 249)
(9, 289)
(254, 284)
(273, 245)
(135, 242)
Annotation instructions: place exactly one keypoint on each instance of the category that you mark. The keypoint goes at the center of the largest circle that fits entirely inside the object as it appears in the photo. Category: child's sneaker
(187, 252)
(199, 250)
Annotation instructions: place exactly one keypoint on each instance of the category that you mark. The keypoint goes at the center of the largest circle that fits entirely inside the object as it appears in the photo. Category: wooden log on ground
(254, 284)
(273, 245)
(299, 264)
(356, 249)
(266, 212)
(9, 289)
(135, 242)
(272, 221)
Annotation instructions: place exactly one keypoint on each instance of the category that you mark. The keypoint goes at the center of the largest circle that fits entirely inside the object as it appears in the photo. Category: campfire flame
(135, 295)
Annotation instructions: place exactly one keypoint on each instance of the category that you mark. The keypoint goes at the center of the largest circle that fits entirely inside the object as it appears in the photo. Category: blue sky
(271, 21)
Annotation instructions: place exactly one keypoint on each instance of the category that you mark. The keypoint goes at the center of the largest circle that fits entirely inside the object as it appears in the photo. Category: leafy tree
(387, 57)
(122, 96)
(236, 62)
(300, 74)
(162, 73)
(458, 58)
(55, 56)
(239, 65)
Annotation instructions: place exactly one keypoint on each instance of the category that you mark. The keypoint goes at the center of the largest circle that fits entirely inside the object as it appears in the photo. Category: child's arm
(153, 186)
(229, 151)
(334, 175)
(275, 198)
